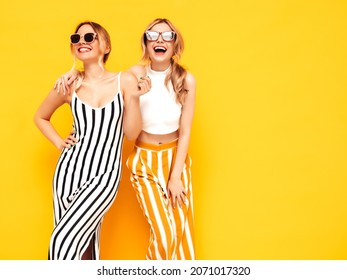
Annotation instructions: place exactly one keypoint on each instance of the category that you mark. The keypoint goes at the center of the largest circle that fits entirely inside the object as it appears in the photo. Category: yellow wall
(270, 131)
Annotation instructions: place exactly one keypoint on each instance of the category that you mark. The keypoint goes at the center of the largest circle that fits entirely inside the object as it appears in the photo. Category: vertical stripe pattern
(86, 178)
(171, 230)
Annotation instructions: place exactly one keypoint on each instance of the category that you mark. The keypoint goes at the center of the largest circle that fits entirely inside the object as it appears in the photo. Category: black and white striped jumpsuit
(86, 178)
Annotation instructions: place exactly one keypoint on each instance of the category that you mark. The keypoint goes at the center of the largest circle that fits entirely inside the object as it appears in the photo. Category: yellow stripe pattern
(171, 230)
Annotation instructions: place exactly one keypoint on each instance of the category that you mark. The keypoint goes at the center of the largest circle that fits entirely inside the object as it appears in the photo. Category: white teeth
(83, 49)
(160, 48)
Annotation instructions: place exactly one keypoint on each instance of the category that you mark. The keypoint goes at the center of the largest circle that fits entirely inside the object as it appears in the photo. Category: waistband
(156, 147)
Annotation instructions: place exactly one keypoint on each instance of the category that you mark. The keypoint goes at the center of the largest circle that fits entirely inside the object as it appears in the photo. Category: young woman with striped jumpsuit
(105, 106)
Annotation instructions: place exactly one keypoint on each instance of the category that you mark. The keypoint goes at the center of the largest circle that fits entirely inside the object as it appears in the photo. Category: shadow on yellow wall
(125, 232)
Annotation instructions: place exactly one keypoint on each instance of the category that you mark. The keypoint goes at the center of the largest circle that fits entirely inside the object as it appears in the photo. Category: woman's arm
(132, 90)
(42, 119)
(175, 186)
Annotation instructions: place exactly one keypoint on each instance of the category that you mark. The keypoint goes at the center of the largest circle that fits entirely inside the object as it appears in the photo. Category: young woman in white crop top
(159, 164)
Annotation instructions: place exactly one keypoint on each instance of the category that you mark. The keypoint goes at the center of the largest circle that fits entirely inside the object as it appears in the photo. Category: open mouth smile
(159, 50)
(84, 49)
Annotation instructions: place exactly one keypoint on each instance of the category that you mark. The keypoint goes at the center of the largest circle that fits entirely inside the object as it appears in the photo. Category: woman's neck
(94, 73)
(160, 66)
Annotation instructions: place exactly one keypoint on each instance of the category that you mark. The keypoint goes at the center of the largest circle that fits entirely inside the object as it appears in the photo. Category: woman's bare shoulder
(190, 79)
(138, 70)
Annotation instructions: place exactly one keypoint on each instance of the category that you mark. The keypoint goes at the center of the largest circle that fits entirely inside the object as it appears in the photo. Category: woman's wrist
(175, 177)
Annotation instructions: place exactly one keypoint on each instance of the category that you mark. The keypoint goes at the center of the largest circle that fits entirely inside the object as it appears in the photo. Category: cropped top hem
(160, 132)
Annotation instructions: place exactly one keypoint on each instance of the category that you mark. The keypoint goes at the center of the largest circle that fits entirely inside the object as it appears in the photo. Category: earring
(174, 57)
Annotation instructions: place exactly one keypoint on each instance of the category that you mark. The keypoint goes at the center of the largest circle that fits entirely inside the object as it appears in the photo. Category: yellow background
(269, 136)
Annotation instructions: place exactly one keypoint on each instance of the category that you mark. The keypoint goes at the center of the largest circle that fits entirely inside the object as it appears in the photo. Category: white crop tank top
(159, 109)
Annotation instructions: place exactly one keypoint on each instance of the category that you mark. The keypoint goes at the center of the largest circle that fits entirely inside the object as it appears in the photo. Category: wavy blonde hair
(177, 73)
(104, 40)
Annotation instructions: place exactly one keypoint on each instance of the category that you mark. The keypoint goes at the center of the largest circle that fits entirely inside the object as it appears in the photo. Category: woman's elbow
(132, 134)
(36, 119)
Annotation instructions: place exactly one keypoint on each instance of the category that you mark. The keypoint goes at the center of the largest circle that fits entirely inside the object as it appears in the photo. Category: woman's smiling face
(85, 51)
(160, 50)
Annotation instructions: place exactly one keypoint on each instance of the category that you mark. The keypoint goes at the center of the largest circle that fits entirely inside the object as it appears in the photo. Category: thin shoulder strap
(118, 90)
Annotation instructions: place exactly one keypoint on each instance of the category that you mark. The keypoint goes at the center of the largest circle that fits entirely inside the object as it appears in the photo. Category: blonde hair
(177, 72)
(104, 40)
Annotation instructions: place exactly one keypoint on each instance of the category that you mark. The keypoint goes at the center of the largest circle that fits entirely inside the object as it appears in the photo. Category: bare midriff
(157, 138)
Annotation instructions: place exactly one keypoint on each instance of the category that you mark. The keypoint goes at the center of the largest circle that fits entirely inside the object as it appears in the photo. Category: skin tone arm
(132, 114)
(42, 120)
(175, 187)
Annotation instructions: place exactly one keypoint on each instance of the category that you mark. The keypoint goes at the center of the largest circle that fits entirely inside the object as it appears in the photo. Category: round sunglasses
(154, 35)
(88, 38)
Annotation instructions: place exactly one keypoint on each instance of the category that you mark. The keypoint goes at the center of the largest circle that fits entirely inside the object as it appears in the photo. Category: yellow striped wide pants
(171, 230)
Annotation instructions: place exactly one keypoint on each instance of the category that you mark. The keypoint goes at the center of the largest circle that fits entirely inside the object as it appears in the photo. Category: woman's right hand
(63, 83)
(68, 142)
(144, 85)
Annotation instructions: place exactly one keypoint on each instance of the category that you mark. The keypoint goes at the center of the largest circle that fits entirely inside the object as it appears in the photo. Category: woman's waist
(157, 139)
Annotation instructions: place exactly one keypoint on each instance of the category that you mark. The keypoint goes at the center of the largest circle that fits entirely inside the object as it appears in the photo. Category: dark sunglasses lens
(89, 37)
(75, 38)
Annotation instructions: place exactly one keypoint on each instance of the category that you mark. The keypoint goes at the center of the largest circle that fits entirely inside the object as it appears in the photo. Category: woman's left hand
(176, 191)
